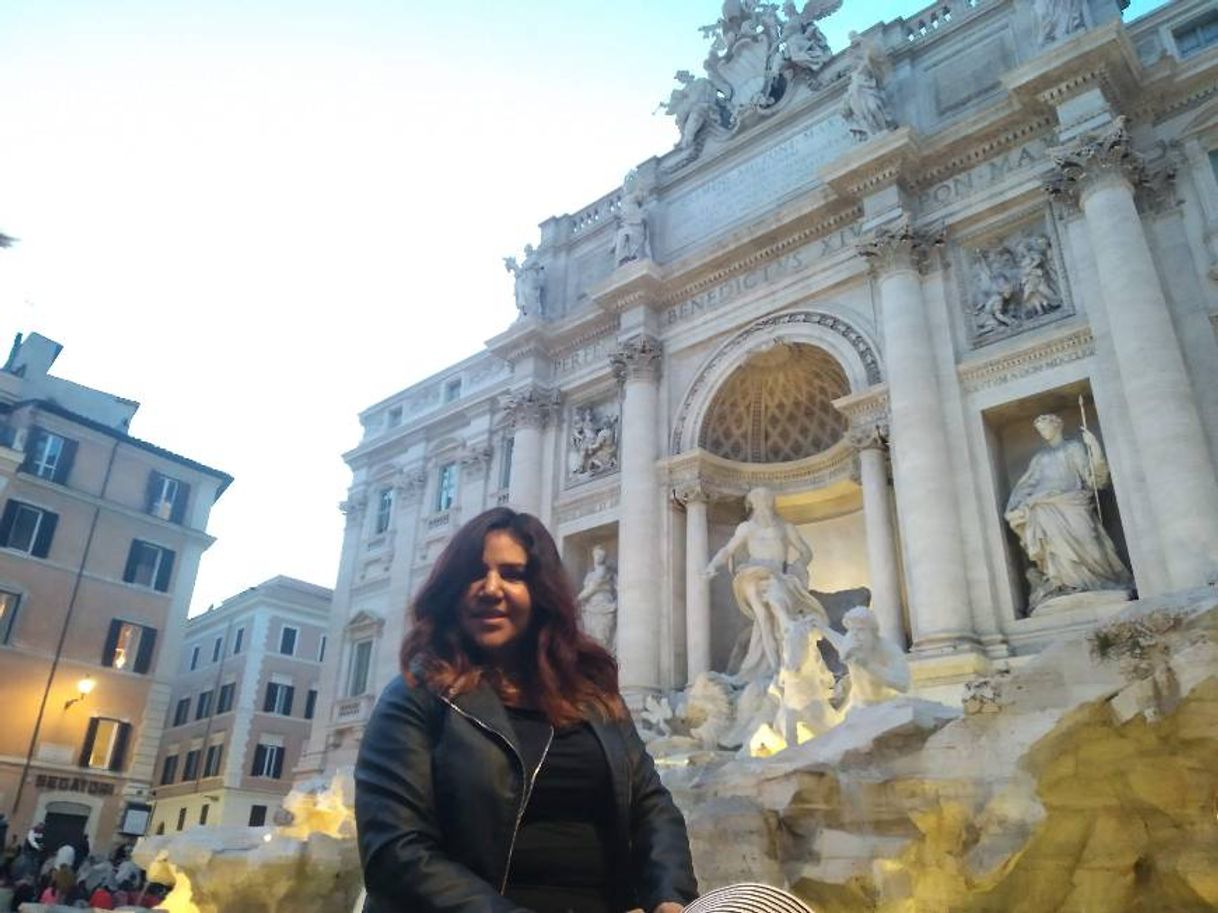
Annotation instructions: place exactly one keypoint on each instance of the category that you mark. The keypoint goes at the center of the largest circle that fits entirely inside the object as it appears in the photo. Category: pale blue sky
(258, 218)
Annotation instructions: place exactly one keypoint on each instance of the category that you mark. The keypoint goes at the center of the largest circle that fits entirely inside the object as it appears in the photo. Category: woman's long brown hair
(572, 676)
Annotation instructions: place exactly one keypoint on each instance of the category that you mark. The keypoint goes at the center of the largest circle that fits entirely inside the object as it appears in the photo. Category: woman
(501, 772)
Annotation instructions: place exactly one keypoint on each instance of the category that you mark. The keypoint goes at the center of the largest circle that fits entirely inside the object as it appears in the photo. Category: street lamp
(85, 686)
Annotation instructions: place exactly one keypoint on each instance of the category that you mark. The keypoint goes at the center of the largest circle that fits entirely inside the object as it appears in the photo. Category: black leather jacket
(439, 794)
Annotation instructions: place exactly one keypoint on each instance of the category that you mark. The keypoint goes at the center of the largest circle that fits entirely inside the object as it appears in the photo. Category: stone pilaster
(1103, 173)
(697, 585)
(926, 500)
(871, 442)
(527, 413)
(636, 364)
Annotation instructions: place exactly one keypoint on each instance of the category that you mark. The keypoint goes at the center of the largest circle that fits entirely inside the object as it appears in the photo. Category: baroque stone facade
(856, 279)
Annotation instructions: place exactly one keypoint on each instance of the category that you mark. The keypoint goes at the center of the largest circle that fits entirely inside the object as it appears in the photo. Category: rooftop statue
(529, 276)
(1058, 19)
(633, 240)
(864, 107)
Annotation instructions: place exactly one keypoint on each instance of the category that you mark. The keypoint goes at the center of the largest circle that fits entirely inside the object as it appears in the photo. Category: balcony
(351, 710)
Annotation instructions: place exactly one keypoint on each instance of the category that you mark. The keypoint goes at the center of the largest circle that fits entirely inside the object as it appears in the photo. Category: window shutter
(310, 704)
(90, 738)
(287, 703)
(143, 659)
(67, 457)
(269, 703)
(119, 758)
(151, 489)
(165, 571)
(277, 771)
(33, 443)
(129, 570)
(6, 521)
(178, 513)
(259, 760)
(111, 642)
(46, 532)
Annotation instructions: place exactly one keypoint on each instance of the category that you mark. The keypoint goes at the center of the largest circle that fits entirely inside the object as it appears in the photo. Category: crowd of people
(72, 875)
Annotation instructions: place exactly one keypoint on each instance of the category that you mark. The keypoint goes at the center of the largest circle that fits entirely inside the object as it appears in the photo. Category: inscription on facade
(595, 352)
(985, 175)
(750, 187)
(717, 296)
(75, 785)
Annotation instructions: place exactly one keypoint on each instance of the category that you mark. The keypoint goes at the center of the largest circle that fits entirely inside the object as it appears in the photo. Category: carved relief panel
(592, 440)
(1012, 279)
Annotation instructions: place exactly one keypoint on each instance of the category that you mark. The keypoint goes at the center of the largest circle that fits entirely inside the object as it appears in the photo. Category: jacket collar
(484, 706)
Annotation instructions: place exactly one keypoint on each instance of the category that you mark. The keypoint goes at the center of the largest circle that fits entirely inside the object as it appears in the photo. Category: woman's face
(496, 608)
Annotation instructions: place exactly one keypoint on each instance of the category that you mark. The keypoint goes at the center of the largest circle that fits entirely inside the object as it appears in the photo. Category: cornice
(718, 478)
(1032, 357)
(1103, 56)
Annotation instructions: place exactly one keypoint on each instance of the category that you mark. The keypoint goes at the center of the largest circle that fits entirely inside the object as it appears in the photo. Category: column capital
(870, 436)
(637, 358)
(1091, 159)
(530, 407)
(477, 461)
(898, 245)
(695, 490)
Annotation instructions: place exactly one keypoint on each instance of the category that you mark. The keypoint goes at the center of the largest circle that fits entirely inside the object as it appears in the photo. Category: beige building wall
(62, 607)
(246, 785)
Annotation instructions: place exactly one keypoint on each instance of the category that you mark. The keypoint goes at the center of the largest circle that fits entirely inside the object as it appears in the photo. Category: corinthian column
(636, 364)
(528, 411)
(1101, 172)
(926, 501)
(697, 585)
(871, 442)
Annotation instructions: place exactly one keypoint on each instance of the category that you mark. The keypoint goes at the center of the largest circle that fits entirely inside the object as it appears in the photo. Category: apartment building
(244, 694)
(100, 539)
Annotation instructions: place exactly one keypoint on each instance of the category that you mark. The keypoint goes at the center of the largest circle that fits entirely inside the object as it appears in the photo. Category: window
(148, 565)
(505, 462)
(384, 510)
(361, 659)
(27, 528)
(181, 713)
(1197, 35)
(279, 696)
(1214, 162)
(452, 390)
(49, 456)
(190, 770)
(287, 641)
(257, 815)
(129, 646)
(194, 658)
(203, 812)
(321, 649)
(160, 829)
(169, 769)
(446, 491)
(166, 497)
(105, 745)
(211, 762)
(216, 649)
(310, 703)
(203, 705)
(225, 702)
(238, 638)
(268, 761)
(181, 817)
(8, 615)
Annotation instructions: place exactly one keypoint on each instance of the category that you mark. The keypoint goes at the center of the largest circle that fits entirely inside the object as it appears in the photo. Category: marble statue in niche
(770, 588)
(633, 240)
(529, 277)
(1015, 284)
(1057, 19)
(1054, 511)
(597, 599)
(864, 108)
(593, 450)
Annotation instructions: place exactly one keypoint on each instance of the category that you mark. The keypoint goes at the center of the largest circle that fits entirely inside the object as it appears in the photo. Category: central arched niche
(777, 406)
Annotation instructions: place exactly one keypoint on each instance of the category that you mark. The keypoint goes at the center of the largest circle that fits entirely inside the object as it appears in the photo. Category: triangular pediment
(1204, 121)
(363, 619)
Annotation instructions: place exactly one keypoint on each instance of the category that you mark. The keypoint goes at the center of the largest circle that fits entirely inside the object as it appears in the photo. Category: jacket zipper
(525, 793)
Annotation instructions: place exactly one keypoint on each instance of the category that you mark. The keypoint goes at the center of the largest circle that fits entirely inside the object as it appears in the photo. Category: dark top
(561, 860)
